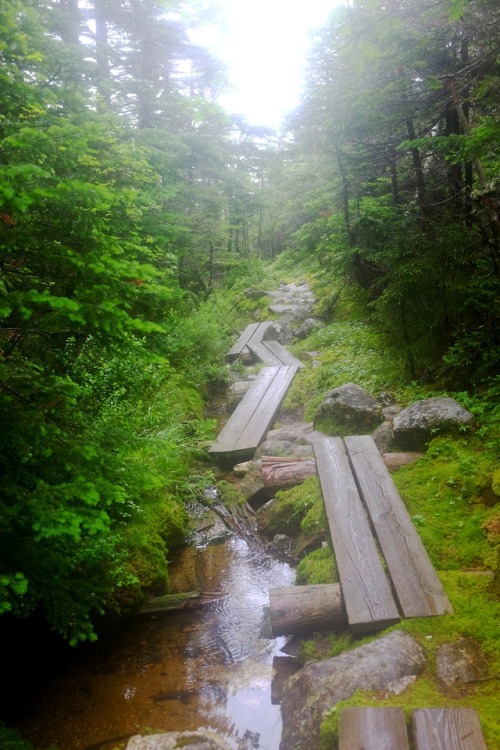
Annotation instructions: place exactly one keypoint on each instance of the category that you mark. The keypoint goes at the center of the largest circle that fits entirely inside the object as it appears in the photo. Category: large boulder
(319, 686)
(174, 740)
(348, 410)
(423, 420)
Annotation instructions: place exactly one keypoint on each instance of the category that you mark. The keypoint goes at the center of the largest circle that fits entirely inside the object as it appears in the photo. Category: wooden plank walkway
(367, 594)
(254, 415)
(433, 729)
(418, 589)
(375, 728)
(275, 350)
(271, 352)
(255, 332)
(447, 729)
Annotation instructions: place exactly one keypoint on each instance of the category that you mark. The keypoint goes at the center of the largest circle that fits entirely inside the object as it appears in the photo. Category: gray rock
(384, 436)
(461, 662)
(304, 329)
(173, 740)
(301, 433)
(348, 410)
(280, 331)
(319, 686)
(423, 420)
(283, 448)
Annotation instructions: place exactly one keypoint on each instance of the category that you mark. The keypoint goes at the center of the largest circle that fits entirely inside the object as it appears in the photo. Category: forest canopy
(131, 204)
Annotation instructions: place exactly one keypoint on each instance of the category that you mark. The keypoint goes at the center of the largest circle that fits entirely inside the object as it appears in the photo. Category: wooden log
(418, 589)
(383, 728)
(367, 594)
(281, 471)
(298, 610)
(447, 729)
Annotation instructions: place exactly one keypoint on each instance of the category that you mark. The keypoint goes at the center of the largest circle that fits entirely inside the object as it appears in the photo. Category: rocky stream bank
(249, 497)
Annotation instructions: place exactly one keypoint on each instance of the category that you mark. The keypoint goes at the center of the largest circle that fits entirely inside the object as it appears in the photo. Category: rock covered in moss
(423, 420)
(348, 410)
(319, 686)
(461, 662)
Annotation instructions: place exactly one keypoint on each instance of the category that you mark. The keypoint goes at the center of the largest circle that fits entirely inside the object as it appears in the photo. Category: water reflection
(207, 668)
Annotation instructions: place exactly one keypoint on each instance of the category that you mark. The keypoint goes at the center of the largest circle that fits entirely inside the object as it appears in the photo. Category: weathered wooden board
(447, 729)
(260, 351)
(418, 589)
(367, 594)
(253, 332)
(282, 352)
(254, 415)
(244, 338)
(374, 728)
(297, 610)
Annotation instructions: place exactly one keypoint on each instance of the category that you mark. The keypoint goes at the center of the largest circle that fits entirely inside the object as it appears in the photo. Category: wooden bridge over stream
(385, 573)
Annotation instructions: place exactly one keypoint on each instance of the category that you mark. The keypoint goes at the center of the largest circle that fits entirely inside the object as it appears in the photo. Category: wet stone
(461, 662)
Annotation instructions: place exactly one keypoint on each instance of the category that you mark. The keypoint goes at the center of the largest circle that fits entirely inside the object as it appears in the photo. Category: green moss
(325, 646)
(292, 506)
(315, 520)
(318, 567)
(443, 493)
(229, 494)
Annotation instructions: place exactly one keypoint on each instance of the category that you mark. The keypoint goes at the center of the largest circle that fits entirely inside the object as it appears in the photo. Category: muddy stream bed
(206, 668)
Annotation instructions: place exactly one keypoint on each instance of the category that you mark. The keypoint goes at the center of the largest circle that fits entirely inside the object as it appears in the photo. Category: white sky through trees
(264, 44)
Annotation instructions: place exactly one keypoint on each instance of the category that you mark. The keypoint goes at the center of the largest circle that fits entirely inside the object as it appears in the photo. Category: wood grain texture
(254, 415)
(298, 610)
(286, 471)
(418, 589)
(373, 729)
(367, 594)
(252, 333)
(447, 729)
(240, 344)
(260, 351)
(282, 353)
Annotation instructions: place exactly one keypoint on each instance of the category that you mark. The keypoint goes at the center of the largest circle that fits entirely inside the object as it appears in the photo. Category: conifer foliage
(112, 207)
(398, 135)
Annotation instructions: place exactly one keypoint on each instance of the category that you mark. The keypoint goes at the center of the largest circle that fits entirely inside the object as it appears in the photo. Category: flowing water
(208, 668)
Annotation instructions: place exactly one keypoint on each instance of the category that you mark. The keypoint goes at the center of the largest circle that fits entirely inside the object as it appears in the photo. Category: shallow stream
(210, 667)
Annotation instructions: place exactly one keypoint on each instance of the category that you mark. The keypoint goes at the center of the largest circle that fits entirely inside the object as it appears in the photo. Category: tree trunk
(102, 51)
(303, 609)
(282, 472)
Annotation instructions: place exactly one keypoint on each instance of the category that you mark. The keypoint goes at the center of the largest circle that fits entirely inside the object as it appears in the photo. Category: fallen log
(282, 471)
(299, 610)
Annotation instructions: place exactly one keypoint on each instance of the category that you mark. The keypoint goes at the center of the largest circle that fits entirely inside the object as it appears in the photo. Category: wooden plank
(418, 589)
(367, 595)
(244, 412)
(299, 610)
(282, 352)
(267, 409)
(261, 329)
(249, 423)
(244, 338)
(260, 350)
(374, 728)
(447, 729)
